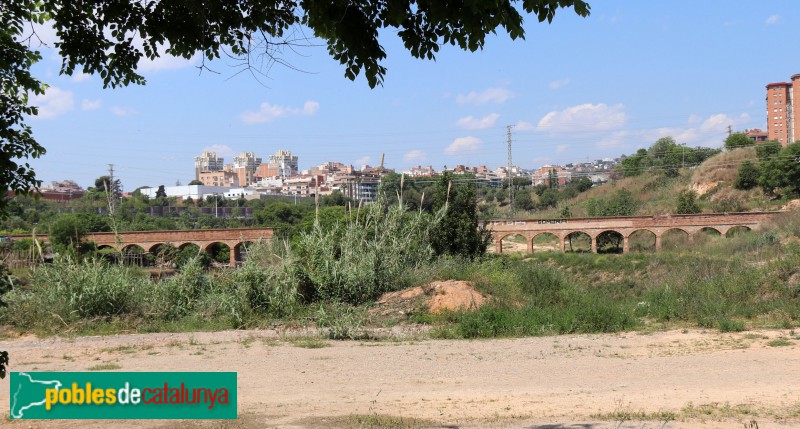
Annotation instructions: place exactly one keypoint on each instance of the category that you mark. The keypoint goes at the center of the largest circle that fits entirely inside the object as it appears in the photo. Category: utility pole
(730, 130)
(510, 181)
(683, 155)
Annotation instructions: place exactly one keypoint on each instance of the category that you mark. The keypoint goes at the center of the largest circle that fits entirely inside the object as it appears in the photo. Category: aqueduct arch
(150, 241)
(625, 226)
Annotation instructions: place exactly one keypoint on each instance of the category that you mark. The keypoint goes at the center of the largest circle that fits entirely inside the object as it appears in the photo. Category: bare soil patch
(433, 297)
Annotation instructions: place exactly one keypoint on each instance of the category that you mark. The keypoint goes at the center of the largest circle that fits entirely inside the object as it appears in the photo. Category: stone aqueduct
(625, 226)
(203, 238)
(528, 228)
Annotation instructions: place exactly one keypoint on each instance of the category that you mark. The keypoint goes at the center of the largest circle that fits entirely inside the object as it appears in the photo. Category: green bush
(270, 282)
(67, 291)
(174, 297)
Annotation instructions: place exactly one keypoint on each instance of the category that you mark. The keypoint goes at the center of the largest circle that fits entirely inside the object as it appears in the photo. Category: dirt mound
(433, 297)
(792, 204)
(703, 188)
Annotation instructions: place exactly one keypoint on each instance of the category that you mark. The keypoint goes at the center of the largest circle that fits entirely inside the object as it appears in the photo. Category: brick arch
(623, 246)
(675, 228)
(154, 248)
(107, 246)
(735, 226)
(513, 233)
(553, 233)
(130, 245)
(183, 245)
(641, 229)
(626, 243)
(565, 238)
(568, 233)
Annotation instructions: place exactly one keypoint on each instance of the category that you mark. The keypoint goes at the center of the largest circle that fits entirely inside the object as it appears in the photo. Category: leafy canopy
(109, 38)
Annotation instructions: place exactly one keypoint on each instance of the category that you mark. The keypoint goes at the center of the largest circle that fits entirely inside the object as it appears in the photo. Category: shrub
(175, 297)
(67, 291)
(270, 282)
(341, 321)
(748, 176)
(687, 203)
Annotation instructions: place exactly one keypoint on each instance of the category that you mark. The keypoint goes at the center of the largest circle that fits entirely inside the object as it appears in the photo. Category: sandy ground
(669, 379)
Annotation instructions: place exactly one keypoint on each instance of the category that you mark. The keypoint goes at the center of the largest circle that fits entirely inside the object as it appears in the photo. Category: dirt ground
(671, 379)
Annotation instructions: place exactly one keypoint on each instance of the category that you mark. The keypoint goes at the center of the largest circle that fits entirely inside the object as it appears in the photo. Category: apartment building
(542, 175)
(207, 161)
(226, 178)
(284, 163)
(783, 124)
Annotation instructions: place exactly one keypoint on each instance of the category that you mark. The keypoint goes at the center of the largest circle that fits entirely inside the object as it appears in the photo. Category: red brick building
(783, 124)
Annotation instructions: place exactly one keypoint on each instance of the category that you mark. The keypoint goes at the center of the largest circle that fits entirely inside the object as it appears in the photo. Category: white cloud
(364, 160)
(122, 111)
(615, 140)
(53, 102)
(222, 150)
(773, 19)
(80, 77)
(556, 84)
(471, 123)
(462, 145)
(87, 104)
(415, 155)
(165, 62)
(524, 126)
(584, 118)
(491, 95)
(710, 132)
(562, 148)
(269, 112)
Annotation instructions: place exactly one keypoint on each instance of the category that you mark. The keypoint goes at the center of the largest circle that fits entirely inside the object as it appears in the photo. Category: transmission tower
(111, 192)
(510, 164)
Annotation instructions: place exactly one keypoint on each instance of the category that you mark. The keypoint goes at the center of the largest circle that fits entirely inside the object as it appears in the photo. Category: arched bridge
(623, 225)
(149, 241)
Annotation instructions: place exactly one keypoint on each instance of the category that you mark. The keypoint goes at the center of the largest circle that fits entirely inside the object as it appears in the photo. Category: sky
(575, 90)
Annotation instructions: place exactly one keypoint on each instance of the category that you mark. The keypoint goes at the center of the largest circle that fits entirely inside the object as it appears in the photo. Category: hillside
(657, 195)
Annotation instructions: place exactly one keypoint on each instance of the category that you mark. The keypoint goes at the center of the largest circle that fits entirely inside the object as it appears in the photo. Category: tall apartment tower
(284, 162)
(246, 160)
(783, 123)
(207, 161)
(245, 166)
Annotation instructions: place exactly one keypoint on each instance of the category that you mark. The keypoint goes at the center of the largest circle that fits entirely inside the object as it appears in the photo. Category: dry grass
(723, 168)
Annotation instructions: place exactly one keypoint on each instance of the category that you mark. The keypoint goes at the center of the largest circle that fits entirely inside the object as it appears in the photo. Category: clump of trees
(665, 157)
(619, 203)
(737, 140)
(777, 171)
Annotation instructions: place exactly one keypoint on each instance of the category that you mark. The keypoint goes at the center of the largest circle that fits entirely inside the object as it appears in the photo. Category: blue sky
(575, 90)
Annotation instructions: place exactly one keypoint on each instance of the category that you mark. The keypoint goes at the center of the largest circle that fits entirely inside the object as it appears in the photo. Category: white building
(194, 192)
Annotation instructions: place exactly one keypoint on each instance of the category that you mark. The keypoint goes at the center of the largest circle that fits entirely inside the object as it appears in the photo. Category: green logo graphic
(123, 395)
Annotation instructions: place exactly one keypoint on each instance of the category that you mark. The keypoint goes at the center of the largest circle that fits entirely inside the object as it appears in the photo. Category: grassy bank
(730, 284)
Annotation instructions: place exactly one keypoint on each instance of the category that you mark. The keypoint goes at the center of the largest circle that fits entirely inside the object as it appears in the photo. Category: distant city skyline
(575, 90)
